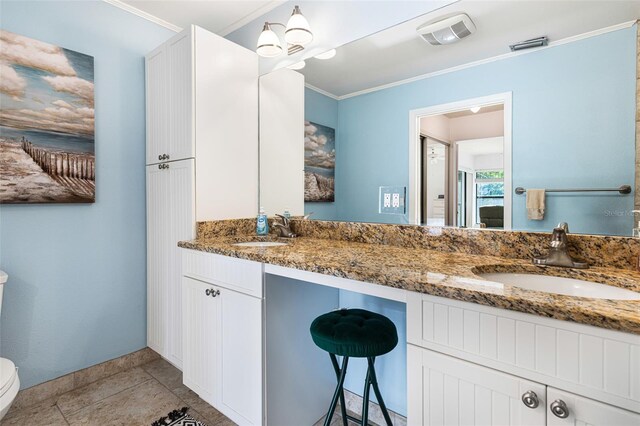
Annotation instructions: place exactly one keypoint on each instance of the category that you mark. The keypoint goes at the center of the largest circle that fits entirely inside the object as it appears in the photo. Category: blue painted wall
(391, 369)
(321, 109)
(76, 294)
(573, 126)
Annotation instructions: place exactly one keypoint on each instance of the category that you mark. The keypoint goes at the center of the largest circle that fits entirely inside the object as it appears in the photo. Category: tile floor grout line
(106, 397)
(62, 414)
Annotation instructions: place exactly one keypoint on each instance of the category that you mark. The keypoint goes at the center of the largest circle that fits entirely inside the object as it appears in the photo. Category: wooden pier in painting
(75, 171)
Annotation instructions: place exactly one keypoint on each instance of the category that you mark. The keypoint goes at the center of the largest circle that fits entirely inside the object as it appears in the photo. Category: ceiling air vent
(448, 30)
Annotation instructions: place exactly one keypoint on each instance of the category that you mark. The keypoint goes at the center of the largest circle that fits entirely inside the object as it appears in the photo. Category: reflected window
(489, 196)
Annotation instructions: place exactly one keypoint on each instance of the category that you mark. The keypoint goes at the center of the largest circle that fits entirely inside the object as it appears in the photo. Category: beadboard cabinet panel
(237, 274)
(587, 412)
(157, 104)
(598, 363)
(201, 325)
(447, 391)
(181, 96)
(170, 218)
(157, 251)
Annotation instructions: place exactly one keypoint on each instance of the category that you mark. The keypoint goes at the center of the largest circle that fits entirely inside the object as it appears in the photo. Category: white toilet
(9, 381)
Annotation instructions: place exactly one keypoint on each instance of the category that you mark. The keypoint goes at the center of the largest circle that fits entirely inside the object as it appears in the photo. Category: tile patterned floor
(135, 397)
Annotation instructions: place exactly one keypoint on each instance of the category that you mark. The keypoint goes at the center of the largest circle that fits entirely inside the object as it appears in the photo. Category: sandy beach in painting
(23, 181)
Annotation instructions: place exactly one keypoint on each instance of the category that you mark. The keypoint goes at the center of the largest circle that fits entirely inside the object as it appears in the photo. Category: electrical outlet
(392, 200)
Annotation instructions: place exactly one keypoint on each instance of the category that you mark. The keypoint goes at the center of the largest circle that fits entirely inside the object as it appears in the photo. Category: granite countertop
(450, 275)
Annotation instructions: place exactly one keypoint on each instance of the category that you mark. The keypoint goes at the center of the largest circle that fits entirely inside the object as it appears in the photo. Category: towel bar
(624, 189)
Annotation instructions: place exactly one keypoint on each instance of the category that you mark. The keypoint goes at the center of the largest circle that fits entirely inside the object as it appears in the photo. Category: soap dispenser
(262, 224)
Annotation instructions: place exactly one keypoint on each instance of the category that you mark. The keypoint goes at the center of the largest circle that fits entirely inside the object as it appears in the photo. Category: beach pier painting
(47, 145)
(319, 162)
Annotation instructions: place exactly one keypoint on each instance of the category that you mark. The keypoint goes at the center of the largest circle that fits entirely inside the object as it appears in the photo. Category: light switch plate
(392, 200)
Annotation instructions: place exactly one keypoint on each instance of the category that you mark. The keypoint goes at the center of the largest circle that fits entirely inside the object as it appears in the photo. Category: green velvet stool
(354, 333)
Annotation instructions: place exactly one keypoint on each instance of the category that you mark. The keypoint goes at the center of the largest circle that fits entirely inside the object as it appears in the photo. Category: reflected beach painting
(47, 146)
(319, 162)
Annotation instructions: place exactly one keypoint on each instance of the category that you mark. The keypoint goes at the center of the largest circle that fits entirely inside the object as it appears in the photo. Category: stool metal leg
(343, 407)
(338, 392)
(365, 399)
(371, 377)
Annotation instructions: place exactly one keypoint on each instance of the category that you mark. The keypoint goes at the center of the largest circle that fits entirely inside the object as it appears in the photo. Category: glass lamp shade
(298, 31)
(268, 43)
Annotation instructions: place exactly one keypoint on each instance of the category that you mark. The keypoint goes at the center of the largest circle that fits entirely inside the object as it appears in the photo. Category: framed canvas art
(319, 162)
(47, 146)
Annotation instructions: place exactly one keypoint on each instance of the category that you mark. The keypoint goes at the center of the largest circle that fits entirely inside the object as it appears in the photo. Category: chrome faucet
(559, 253)
(284, 228)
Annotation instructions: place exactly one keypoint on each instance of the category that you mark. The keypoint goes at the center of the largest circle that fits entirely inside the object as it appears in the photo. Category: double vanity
(485, 344)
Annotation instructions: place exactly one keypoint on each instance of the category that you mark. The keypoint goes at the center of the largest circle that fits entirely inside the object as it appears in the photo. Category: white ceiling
(218, 16)
(481, 146)
(399, 53)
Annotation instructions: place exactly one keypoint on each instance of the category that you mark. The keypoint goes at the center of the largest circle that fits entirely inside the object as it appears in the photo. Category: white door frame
(415, 186)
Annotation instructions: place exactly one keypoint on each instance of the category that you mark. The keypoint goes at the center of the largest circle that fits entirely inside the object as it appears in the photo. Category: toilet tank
(3, 279)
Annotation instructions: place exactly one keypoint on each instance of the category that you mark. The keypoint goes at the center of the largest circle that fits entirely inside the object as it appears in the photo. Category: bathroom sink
(260, 244)
(562, 285)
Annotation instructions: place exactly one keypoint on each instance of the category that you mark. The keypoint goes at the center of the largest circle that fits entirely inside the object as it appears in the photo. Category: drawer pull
(211, 292)
(530, 399)
(559, 409)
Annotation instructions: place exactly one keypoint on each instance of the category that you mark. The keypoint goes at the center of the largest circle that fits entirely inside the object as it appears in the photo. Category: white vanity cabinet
(202, 114)
(444, 390)
(222, 309)
(473, 364)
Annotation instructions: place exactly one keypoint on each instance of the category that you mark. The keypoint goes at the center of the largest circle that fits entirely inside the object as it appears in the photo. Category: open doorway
(460, 164)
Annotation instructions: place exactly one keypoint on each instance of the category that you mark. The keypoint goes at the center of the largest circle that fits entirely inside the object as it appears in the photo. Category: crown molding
(551, 45)
(322, 92)
(250, 17)
(143, 14)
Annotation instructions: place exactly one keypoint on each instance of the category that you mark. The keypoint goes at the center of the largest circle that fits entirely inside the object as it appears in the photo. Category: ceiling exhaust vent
(528, 44)
(448, 30)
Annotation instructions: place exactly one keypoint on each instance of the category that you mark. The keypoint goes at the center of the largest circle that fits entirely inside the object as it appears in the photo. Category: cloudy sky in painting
(319, 146)
(45, 87)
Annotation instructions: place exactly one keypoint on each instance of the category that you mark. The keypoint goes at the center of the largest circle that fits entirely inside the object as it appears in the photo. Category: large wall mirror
(393, 129)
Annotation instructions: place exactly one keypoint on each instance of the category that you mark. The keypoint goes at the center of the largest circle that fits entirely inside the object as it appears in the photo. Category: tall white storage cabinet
(202, 160)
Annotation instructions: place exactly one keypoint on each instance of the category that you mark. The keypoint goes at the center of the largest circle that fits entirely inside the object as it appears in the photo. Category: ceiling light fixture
(268, 43)
(448, 30)
(326, 55)
(297, 66)
(297, 34)
(474, 109)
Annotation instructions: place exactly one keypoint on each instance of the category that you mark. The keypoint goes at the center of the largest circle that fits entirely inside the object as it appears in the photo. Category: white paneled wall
(552, 351)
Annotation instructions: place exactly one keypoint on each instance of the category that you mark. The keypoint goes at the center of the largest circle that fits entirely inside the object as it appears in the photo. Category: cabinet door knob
(159, 157)
(559, 409)
(166, 156)
(530, 399)
(166, 166)
(208, 292)
(215, 293)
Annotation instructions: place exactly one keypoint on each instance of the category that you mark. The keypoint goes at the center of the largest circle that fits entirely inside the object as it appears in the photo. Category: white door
(157, 98)
(181, 227)
(241, 361)
(582, 411)
(201, 339)
(180, 93)
(158, 225)
(443, 390)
